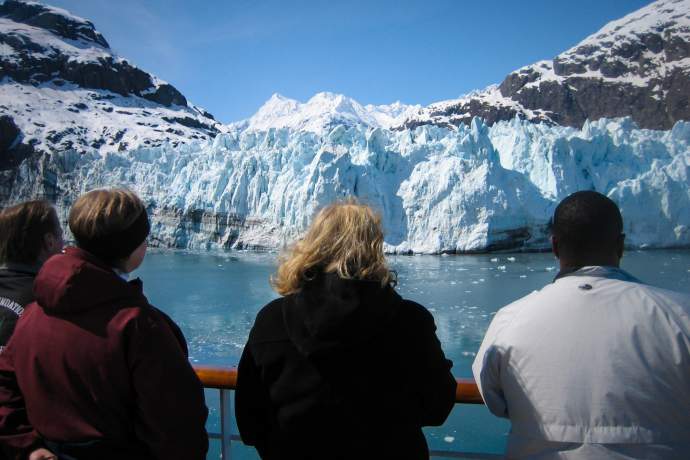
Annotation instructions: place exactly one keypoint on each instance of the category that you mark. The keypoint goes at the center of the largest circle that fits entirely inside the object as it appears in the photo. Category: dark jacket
(344, 369)
(102, 372)
(16, 291)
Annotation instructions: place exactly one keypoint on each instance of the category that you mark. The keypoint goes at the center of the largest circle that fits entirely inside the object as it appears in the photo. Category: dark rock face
(167, 95)
(8, 132)
(40, 16)
(675, 49)
(36, 64)
(12, 150)
(517, 80)
(677, 84)
(656, 105)
(190, 123)
(490, 113)
(462, 113)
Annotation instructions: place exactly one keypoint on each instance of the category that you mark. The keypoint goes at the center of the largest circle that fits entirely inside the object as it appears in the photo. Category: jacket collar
(597, 271)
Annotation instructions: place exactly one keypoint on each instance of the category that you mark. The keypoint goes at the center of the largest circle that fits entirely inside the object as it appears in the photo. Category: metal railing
(224, 379)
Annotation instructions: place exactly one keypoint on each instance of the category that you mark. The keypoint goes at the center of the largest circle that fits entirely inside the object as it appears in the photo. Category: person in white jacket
(597, 363)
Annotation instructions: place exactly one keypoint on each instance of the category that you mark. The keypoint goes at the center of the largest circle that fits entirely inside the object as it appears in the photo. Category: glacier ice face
(474, 188)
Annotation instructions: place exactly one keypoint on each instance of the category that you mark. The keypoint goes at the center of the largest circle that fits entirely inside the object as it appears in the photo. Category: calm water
(215, 297)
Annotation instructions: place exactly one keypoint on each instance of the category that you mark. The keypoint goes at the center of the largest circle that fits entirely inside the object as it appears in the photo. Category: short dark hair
(22, 228)
(587, 222)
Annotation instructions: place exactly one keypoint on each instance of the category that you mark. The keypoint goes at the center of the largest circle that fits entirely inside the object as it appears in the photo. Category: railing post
(226, 422)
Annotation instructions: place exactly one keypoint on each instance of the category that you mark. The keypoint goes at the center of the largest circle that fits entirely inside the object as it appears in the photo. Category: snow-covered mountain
(323, 112)
(443, 181)
(62, 88)
(637, 66)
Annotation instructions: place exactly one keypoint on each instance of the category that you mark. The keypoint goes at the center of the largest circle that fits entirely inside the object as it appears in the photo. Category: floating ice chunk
(449, 439)
(511, 259)
(550, 269)
(501, 267)
(523, 276)
(494, 259)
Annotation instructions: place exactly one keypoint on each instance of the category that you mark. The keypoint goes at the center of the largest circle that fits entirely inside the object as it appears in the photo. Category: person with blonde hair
(93, 370)
(341, 367)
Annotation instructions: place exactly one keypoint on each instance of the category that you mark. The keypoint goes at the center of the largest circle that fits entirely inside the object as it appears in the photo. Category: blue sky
(230, 56)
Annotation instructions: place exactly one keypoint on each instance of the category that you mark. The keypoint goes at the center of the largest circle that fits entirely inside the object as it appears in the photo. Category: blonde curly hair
(344, 238)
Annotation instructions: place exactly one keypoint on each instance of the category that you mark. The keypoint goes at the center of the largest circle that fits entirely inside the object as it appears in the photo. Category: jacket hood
(76, 281)
(331, 313)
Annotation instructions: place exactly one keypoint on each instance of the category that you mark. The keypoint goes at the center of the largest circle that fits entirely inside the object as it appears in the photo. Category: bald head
(587, 229)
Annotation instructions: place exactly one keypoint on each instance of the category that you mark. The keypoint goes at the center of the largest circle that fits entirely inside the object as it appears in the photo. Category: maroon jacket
(101, 371)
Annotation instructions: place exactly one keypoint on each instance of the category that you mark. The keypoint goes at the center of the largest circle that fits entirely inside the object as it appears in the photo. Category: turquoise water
(215, 297)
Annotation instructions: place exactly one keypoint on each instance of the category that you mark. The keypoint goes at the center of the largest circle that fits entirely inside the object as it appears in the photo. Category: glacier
(438, 189)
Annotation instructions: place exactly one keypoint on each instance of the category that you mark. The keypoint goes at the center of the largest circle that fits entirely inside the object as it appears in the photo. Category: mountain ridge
(637, 66)
(63, 88)
(322, 112)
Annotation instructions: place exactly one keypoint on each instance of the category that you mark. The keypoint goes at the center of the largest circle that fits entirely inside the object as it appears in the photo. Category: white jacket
(594, 365)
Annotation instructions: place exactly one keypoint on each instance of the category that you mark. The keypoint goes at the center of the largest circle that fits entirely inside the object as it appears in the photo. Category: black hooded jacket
(16, 292)
(344, 369)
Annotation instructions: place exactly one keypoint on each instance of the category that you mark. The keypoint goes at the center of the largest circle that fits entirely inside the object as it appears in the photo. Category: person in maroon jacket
(93, 371)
